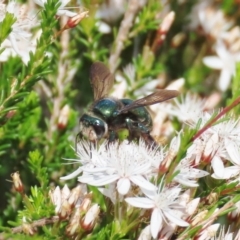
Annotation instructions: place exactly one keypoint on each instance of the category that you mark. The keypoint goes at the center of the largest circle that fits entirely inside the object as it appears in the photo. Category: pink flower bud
(63, 117)
(88, 222)
(74, 21)
(75, 195)
(17, 182)
(74, 224)
(65, 210)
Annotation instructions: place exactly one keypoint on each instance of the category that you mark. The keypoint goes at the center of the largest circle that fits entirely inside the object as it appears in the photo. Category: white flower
(163, 202)
(61, 9)
(124, 164)
(225, 61)
(112, 10)
(188, 109)
(19, 40)
(215, 143)
(187, 174)
(188, 209)
(234, 158)
(209, 232)
(211, 20)
(88, 156)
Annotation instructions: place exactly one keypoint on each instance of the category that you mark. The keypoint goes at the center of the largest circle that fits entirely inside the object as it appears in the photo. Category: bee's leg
(131, 129)
(112, 136)
(144, 132)
(79, 136)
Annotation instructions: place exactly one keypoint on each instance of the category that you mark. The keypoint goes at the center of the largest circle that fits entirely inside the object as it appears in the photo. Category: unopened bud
(89, 220)
(145, 234)
(65, 192)
(234, 215)
(211, 198)
(27, 228)
(192, 206)
(74, 21)
(209, 232)
(63, 117)
(10, 114)
(56, 198)
(65, 210)
(167, 22)
(172, 153)
(85, 204)
(178, 39)
(210, 148)
(199, 217)
(17, 182)
(74, 223)
(75, 195)
(163, 30)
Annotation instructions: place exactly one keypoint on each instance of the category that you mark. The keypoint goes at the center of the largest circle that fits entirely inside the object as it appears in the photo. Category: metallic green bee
(108, 115)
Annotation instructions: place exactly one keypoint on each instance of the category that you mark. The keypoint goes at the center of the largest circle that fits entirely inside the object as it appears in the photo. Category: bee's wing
(156, 97)
(101, 80)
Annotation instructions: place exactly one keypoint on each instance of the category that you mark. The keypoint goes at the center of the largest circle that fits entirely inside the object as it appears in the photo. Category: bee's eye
(99, 127)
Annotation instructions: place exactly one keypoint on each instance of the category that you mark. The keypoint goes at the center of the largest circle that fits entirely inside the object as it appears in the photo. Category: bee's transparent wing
(156, 97)
(101, 80)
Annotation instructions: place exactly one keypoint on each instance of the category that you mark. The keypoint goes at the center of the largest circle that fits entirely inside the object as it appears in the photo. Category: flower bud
(199, 217)
(211, 198)
(65, 210)
(172, 153)
(65, 192)
(17, 182)
(209, 232)
(210, 148)
(27, 228)
(63, 117)
(56, 198)
(234, 215)
(89, 220)
(75, 20)
(145, 234)
(86, 203)
(74, 224)
(167, 22)
(75, 195)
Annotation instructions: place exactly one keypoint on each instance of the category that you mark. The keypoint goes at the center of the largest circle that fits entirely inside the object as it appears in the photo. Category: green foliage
(147, 20)
(35, 163)
(6, 25)
(36, 135)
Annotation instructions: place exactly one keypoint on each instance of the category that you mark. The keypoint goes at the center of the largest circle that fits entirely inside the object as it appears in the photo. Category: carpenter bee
(108, 115)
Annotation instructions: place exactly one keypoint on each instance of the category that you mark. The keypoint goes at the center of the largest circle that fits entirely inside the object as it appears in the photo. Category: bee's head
(93, 128)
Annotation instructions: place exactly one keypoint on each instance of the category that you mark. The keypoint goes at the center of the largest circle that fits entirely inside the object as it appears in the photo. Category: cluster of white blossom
(75, 205)
(21, 40)
(224, 36)
(129, 172)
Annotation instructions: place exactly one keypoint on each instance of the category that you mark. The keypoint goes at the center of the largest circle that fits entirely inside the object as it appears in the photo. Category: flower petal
(98, 180)
(156, 223)
(175, 219)
(224, 79)
(123, 185)
(140, 202)
(72, 175)
(218, 166)
(142, 182)
(213, 62)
